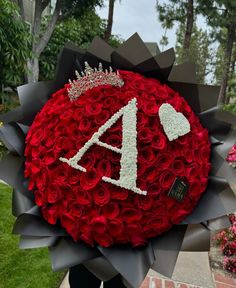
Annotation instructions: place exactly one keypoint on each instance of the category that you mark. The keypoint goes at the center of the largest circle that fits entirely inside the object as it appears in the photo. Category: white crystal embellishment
(174, 123)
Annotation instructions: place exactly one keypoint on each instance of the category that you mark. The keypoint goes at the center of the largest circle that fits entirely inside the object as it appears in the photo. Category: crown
(91, 78)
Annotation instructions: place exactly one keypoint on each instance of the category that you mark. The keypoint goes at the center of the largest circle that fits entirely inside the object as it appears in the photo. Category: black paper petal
(13, 137)
(29, 242)
(137, 262)
(66, 253)
(167, 246)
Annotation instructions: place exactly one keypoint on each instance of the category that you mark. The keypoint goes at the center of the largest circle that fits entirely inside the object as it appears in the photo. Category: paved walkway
(219, 281)
(192, 271)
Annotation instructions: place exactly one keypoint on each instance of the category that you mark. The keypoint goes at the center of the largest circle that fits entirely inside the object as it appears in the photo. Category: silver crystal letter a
(128, 162)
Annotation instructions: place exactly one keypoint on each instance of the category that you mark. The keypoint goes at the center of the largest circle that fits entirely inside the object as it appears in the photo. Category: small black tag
(179, 189)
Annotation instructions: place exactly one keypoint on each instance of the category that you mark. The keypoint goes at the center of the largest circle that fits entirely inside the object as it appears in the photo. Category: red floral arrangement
(99, 212)
(232, 156)
(226, 239)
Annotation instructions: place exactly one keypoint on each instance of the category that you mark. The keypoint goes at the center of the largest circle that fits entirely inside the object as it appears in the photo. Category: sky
(140, 16)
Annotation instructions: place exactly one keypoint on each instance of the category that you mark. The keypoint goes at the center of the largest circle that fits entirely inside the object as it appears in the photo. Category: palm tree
(107, 33)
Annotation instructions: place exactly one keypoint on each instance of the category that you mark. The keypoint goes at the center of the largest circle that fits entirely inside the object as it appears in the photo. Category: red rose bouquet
(124, 163)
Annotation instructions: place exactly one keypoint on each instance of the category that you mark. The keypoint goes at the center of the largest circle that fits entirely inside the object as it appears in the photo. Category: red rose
(177, 166)
(40, 198)
(133, 229)
(138, 241)
(76, 210)
(84, 125)
(102, 117)
(109, 102)
(74, 233)
(194, 189)
(87, 238)
(150, 108)
(163, 160)
(142, 119)
(84, 225)
(116, 227)
(93, 109)
(151, 87)
(101, 195)
(51, 213)
(74, 176)
(68, 221)
(31, 184)
(151, 174)
(53, 193)
(159, 141)
(59, 130)
(49, 141)
(33, 167)
(145, 135)
(183, 140)
(37, 137)
(111, 210)
(166, 179)
(83, 197)
(50, 157)
(88, 161)
(94, 95)
(145, 203)
(114, 157)
(192, 172)
(62, 143)
(147, 155)
(104, 240)
(204, 154)
(157, 223)
(131, 215)
(66, 115)
(104, 168)
(98, 152)
(189, 155)
(206, 170)
(114, 140)
(183, 211)
(89, 179)
(142, 184)
(119, 193)
(60, 174)
(154, 189)
(142, 167)
(99, 224)
(42, 179)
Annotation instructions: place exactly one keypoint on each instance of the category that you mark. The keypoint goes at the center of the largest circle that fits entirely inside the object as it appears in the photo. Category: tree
(14, 45)
(182, 12)
(42, 33)
(108, 30)
(80, 32)
(164, 41)
(219, 70)
(200, 54)
(221, 14)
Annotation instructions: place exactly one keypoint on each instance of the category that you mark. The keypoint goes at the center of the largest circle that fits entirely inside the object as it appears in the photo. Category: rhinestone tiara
(91, 78)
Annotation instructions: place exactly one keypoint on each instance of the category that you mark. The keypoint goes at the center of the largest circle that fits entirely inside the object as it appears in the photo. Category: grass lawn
(21, 268)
